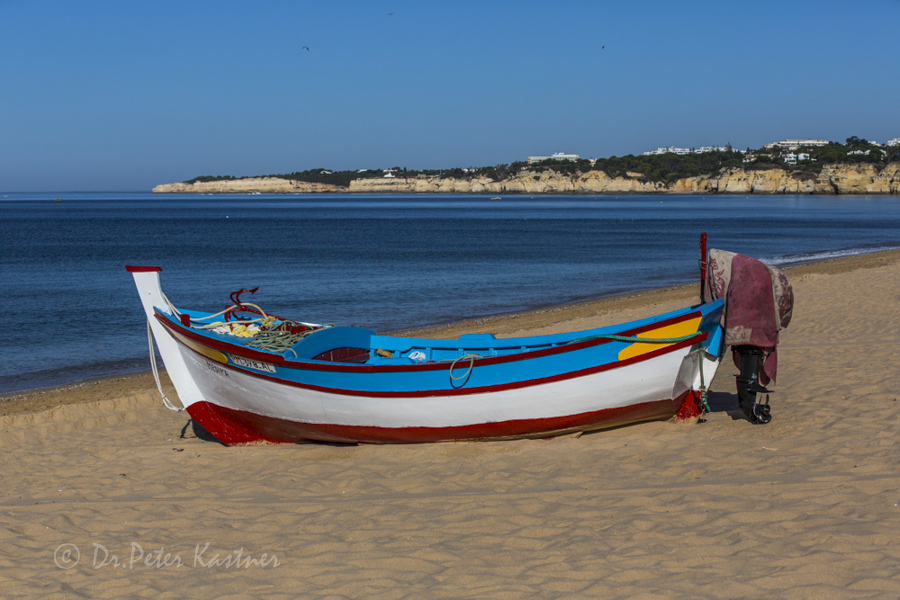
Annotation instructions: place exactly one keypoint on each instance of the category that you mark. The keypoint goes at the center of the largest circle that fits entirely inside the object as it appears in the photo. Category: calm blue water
(384, 262)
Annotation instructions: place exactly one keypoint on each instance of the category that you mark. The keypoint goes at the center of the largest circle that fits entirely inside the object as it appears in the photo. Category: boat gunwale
(309, 364)
(463, 391)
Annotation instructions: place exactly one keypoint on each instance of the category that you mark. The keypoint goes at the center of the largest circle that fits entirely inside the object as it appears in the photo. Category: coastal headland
(107, 494)
(835, 179)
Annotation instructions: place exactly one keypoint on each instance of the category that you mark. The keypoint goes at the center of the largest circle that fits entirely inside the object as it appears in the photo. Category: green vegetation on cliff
(206, 178)
(341, 178)
(804, 163)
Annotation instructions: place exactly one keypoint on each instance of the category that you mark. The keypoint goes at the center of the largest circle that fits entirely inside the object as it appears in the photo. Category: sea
(386, 262)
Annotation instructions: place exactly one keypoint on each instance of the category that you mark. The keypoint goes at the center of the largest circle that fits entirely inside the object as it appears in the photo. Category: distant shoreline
(838, 179)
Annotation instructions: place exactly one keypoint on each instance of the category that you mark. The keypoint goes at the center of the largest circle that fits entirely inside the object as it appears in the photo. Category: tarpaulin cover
(759, 301)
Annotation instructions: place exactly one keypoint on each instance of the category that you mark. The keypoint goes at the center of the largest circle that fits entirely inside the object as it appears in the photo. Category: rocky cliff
(264, 185)
(833, 179)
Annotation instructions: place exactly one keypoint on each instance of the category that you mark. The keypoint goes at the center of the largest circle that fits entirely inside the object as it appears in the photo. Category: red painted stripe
(234, 427)
(279, 360)
(464, 391)
(139, 269)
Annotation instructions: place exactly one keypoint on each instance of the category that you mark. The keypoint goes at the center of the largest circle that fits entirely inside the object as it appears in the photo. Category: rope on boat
(616, 338)
(468, 372)
(704, 405)
(171, 306)
(230, 309)
(273, 336)
(155, 370)
(280, 337)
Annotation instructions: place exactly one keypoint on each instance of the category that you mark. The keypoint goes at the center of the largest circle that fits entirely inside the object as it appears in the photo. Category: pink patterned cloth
(759, 302)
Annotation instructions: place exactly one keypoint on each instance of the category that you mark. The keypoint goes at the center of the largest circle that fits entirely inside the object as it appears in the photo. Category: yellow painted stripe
(206, 351)
(669, 331)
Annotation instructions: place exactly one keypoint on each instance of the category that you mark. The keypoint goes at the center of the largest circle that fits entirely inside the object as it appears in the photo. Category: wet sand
(805, 507)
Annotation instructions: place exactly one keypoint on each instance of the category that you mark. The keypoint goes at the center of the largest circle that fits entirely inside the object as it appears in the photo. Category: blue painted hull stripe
(465, 391)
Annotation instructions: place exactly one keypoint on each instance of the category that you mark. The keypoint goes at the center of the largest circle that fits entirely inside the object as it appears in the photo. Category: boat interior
(347, 344)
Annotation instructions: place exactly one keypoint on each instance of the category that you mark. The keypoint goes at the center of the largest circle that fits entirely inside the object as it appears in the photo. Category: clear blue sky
(123, 95)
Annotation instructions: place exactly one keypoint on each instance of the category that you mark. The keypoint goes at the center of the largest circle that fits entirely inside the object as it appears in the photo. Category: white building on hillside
(683, 151)
(795, 144)
(669, 150)
(713, 149)
(557, 156)
(893, 142)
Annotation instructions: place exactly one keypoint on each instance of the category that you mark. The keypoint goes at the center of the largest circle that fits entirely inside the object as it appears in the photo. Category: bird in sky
(307, 48)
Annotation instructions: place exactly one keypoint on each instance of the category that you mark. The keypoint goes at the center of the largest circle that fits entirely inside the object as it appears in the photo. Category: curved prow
(150, 291)
(147, 281)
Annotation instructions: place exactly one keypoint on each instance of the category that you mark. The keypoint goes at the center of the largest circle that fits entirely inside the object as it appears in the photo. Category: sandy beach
(107, 494)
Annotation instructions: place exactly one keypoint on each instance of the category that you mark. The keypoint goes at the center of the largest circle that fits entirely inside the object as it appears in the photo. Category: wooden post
(703, 257)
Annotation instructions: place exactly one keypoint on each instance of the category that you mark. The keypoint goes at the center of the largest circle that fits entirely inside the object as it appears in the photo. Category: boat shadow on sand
(192, 427)
(199, 432)
(726, 402)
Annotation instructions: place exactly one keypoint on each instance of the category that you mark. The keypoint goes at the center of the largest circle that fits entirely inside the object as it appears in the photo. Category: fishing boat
(247, 376)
